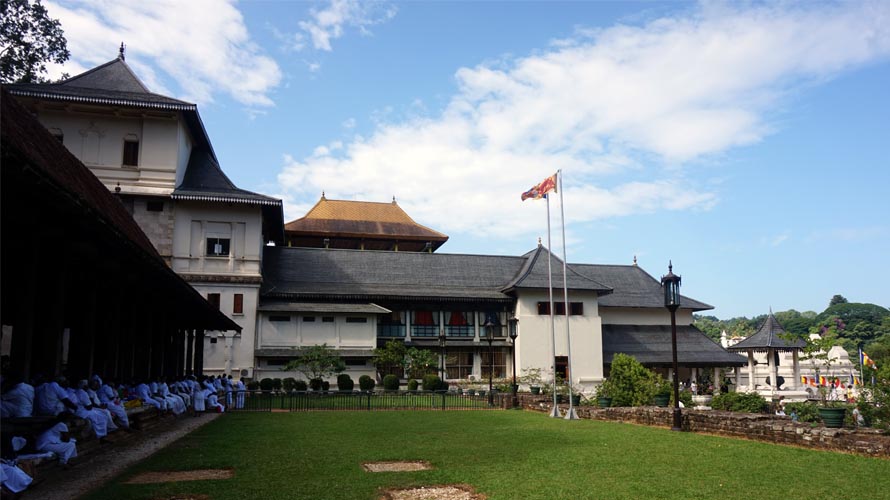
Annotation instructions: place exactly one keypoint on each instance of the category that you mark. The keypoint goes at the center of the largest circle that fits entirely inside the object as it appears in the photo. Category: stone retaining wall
(755, 426)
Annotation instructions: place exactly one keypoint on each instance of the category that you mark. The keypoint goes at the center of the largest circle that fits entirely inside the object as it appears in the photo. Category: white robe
(51, 440)
(18, 401)
(95, 416)
(13, 478)
(48, 399)
(200, 398)
(108, 397)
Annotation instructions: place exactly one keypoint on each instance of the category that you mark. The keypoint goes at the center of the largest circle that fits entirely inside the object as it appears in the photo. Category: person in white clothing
(57, 440)
(51, 398)
(239, 389)
(86, 411)
(108, 397)
(18, 398)
(213, 402)
(174, 403)
(143, 393)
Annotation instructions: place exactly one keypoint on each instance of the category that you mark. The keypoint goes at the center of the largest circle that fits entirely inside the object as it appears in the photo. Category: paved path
(100, 466)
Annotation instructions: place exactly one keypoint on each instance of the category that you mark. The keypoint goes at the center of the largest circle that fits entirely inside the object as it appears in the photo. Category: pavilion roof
(770, 335)
(651, 346)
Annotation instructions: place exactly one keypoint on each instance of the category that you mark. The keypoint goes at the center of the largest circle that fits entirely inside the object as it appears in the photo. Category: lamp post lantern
(671, 284)
(442, 352)
(511, 324)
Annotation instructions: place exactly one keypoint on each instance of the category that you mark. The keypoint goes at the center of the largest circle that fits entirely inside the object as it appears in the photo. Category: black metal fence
(281, 401)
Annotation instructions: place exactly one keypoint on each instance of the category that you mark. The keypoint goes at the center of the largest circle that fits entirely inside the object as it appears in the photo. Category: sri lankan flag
(539, 191)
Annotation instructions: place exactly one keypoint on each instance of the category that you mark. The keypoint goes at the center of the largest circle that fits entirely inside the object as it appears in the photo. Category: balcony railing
(424, 330)
(460, 331)
(384, 330)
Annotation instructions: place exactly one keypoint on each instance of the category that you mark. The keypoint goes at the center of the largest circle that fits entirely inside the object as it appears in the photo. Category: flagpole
(861, 371)
(555, 412)
(570, 414)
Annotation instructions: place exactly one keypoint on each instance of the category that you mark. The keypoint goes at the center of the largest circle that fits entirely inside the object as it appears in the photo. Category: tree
(390, 357)
(28, 40)
(837, 299)
(317, 362)
(629, 382)
(419, 362)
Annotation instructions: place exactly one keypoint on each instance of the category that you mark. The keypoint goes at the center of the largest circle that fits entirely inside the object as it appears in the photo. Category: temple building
(361, 225)
(349, 274)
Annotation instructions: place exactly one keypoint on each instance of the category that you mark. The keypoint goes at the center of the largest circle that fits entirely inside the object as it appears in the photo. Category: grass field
(503, 454)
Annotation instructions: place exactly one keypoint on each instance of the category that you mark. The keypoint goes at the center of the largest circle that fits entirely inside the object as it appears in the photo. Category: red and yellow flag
(538, 192)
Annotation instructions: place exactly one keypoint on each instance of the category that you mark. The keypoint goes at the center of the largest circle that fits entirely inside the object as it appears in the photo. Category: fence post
(369, 400)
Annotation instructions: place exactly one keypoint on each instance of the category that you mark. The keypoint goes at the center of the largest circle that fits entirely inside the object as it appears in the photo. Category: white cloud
(622, 110)
(202, 45)
(328, 24)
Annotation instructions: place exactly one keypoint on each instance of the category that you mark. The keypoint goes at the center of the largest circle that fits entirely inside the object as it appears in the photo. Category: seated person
(108, 397)
(144, 393)
(18, 398)
(52, 399)
(58, 440)
(86, 411)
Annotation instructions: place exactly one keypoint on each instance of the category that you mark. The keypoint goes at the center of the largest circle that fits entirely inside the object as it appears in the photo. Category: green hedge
(739, 401)
(345, 383)
(412, 385)
(289, 384)
(391, 382)
(366, 383)
(266, 384)
(301, 385)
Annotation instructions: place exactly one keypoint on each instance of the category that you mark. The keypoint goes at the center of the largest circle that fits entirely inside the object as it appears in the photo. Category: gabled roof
(769, 336)
(204, 180)
(633, 287)
(362, 219)
(533, 274)
(651, 346)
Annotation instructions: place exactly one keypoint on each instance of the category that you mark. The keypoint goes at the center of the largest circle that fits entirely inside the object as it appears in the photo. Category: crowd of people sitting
(50, 406)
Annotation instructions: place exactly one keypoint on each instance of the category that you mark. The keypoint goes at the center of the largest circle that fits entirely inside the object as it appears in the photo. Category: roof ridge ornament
(322, 195)
(121, 54)
(539, 242)
(635, 260)
(393, 199)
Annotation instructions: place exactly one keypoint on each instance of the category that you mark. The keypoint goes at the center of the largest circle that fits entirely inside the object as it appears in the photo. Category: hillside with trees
(857, 325)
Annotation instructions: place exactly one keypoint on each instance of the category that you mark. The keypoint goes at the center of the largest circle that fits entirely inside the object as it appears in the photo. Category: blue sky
(747, 142)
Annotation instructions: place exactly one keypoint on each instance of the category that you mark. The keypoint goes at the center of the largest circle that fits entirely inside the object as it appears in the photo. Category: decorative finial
(322, 195)
(393, 198)
(670, 267)
(539, 241)
(635, 260)
(117, 188)
(122, 56)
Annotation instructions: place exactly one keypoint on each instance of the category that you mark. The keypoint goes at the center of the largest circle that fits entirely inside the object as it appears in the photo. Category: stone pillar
(199, 353)
(717, 380)
(751, 384)
(738, 378)
(189, 349)
(773, 370)
(795, 359)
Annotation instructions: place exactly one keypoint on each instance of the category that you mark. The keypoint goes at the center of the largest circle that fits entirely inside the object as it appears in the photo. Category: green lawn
(503, 454)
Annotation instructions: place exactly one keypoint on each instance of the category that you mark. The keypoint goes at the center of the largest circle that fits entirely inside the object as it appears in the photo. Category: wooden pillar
(89, 326)
(189, 349)
(23, 330)
(55, 322)
(199, 353)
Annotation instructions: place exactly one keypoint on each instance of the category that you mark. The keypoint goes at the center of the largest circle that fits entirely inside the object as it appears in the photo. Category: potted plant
(818, 344)
(532, 377)
(603, 397)
(662, 392)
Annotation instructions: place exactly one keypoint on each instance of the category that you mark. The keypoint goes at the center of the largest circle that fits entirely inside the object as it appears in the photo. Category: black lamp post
(489, 335)
(511, 324)
(442, 351)
(671, 284)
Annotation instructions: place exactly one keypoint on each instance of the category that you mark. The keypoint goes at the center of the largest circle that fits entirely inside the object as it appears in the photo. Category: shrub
(806, 412)
(739, 401)
(289, 383)
(300, 385)
(685, 398)
(366, 383)
(253, 385)
(276, 384)
(344, 382)
(315, 384)
(325, 385)
(629, 382)
(391, 382)
(266, 384)
(412, 385)
(432, 383)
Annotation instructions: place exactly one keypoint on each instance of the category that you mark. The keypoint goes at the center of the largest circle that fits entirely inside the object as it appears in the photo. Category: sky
(746, 142)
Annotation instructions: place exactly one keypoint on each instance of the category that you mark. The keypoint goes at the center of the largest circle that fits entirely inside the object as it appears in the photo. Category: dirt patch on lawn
(403, 466)
(184, 475)
(443, 492)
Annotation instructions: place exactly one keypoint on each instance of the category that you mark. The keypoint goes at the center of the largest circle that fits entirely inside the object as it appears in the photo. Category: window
(575, 308)
(459, 324)
(425, 324)
(391, 325)
(308, 319)
(213, 298)
(458, 364)
(499, 365)
(218, 246)
(356, 320)
(327, 319)
(355, 361)
(131, 152)
(154, 206)
(280, 319)
(562, 367)
(276, 362)
(238, 305)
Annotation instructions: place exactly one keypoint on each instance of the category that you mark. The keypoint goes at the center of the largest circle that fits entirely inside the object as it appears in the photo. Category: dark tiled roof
(204, 180)
(112, 83)
(312, 272)
(533, 274)
(632, 287)
(317, 307)
(769, 336)
(651, 346)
